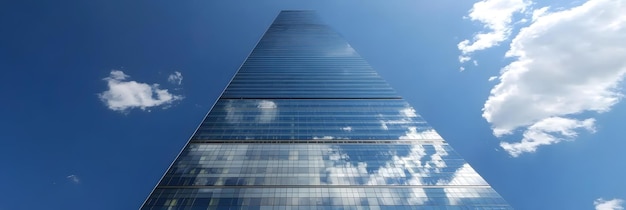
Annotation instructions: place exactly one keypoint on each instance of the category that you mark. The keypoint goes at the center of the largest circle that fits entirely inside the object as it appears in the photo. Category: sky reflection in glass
(306, 123)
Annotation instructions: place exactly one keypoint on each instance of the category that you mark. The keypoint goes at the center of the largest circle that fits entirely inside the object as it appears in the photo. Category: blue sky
(533, 99)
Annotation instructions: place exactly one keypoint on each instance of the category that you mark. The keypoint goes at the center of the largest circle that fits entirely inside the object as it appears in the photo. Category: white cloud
(347, 128)
(263, 111)
(464, 59)
(615, 204)
(545, 132)
(539, 12)
(406, 115)
(492, 78)
(123, 95)
(324, 137)
(496, 17)
(344, 50)
(567, 63)
(412, 133)
(465, 175)
(329, 138)
(233, 112)
(175, 78)
(269, 111)
(383, 125)
(408, 112)
(73, 178)
(266, 104)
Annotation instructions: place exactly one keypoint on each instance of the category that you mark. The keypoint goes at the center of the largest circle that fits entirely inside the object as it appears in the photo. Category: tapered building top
(306, 123)
(299, 57)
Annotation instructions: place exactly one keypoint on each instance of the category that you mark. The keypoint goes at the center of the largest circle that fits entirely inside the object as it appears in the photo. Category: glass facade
(306, 123)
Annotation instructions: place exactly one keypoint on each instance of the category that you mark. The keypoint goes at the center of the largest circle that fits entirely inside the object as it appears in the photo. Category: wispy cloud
(547, 131)
(324, 137)
(73, 178)
(175, 78)
(344, 50)
(496, 17)
(567, 63)
(614, 204)
(123, 95)
(269, 111)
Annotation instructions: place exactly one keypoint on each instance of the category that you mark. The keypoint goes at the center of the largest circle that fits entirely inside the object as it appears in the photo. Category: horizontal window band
(338, 98)
(320, 141)
(321, 186)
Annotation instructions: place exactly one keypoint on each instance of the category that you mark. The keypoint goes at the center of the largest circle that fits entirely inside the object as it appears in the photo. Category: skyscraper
(306, 123)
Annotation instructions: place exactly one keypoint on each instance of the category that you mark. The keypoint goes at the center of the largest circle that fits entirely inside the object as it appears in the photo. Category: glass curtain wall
(306, 123)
